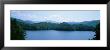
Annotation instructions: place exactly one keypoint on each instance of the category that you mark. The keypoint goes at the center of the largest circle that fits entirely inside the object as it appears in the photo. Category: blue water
(59, 35)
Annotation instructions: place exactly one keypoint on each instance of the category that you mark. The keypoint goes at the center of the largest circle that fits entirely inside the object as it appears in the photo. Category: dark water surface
(59, 35)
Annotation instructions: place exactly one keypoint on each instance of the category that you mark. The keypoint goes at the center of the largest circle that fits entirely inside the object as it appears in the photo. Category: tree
(17, 32)
(97, 31)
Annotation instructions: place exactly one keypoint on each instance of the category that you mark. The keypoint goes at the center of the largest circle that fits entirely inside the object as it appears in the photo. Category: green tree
(17, 32)
(97, 31)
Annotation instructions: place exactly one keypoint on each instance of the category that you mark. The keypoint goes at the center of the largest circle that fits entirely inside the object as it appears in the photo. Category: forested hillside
(17, 31)
(18, 27)
(83, 26)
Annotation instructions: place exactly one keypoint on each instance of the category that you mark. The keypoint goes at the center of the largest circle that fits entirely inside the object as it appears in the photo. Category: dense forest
(97, 31)
(17, 31)
(18, 27)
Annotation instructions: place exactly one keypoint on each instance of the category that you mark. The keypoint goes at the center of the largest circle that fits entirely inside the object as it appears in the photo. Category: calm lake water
(59, 35)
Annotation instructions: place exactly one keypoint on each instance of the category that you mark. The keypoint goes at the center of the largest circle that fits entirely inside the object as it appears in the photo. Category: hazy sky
(58, 16)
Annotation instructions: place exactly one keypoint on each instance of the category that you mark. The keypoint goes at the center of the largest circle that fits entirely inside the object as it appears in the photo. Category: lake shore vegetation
(18, 27)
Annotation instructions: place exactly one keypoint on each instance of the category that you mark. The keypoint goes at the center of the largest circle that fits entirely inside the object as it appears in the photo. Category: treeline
(18, 27)
(54, 26)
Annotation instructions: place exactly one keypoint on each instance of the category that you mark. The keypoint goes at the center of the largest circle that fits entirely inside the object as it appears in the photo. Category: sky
(56, 15)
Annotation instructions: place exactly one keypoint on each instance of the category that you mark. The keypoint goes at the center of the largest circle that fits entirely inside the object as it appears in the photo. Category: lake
(59, 35)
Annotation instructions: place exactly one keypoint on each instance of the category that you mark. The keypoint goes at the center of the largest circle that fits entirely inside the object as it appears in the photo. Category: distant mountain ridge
(89, 23)
(49, 25)
(49, 21)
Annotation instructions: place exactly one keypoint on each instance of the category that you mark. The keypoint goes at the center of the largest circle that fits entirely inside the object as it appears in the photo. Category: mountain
(29, 22)
(73, 23)
(52, 25)
(48, 21)
(32, 22)
(91, 23)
